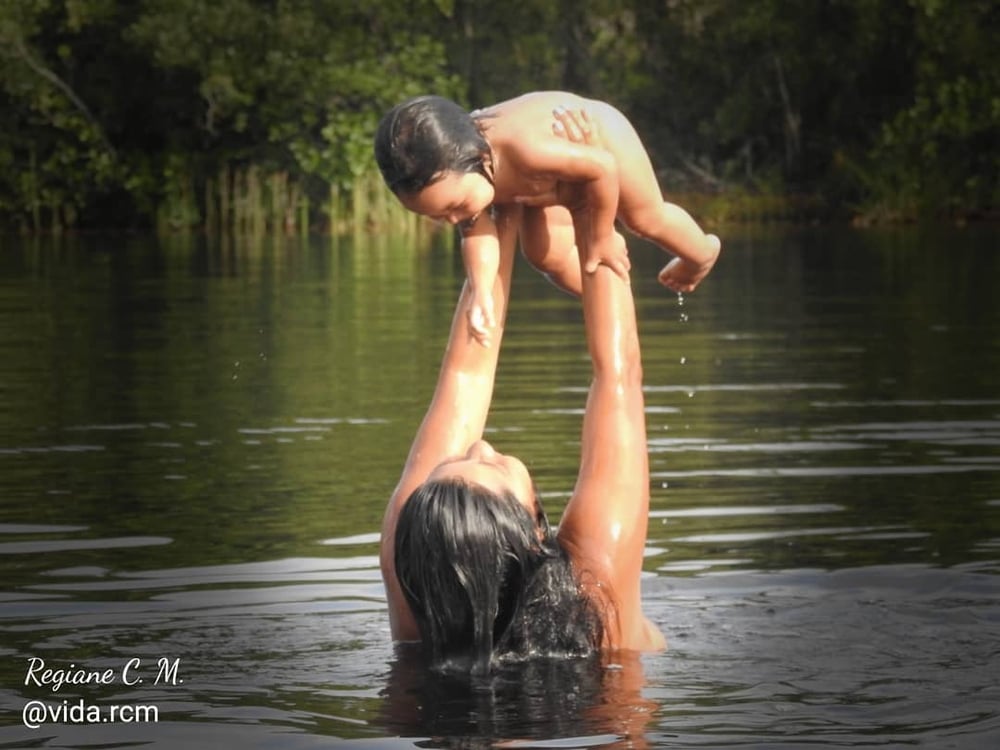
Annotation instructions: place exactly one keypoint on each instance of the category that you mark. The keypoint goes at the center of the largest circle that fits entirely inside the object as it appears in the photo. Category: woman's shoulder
(624, 624)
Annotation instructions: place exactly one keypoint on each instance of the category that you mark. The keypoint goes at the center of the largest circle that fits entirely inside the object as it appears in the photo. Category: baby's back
(528, 119)
(532, 112)
(531, 115)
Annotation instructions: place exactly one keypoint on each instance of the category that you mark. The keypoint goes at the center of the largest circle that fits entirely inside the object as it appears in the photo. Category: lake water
(198, 441)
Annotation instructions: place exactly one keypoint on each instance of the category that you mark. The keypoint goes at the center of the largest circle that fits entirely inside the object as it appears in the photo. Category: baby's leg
(548, 242)
(674, 229)
(669, 226)
(641, 206)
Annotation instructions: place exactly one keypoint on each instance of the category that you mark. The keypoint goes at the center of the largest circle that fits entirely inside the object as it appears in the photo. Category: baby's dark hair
(486, 582)
(419, 141)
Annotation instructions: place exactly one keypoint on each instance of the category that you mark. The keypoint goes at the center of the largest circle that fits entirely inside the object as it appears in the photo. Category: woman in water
(471, 566)
(453, 165)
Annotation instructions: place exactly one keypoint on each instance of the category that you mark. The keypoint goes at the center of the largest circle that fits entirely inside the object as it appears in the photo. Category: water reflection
(583, 702)
(199, 440)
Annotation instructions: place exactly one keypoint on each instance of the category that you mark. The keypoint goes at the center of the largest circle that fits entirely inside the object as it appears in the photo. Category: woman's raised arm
(457, 413)
(605, 522)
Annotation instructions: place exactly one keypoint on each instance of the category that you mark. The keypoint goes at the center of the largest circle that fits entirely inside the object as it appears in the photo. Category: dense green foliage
(249, 114)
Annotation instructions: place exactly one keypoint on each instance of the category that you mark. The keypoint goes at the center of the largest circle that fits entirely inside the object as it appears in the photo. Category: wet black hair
(422, 139)
(487, 582)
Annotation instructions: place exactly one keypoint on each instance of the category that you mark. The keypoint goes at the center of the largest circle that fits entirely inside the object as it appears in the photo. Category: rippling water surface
(198, 442)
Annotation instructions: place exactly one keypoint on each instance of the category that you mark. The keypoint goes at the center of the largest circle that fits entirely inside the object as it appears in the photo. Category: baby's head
(433, 156)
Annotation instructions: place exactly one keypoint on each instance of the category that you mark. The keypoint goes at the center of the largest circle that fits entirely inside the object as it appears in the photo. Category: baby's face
(457, 198)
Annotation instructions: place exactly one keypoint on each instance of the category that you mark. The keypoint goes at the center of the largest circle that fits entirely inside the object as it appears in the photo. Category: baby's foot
(683, 276)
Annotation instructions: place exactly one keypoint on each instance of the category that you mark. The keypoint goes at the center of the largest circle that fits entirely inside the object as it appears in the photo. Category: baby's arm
(600, 242)
(481, 257)
(596, 170)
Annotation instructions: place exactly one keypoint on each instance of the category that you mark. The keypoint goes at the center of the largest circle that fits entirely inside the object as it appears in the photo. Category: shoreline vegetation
(243, 117)
(251, 203)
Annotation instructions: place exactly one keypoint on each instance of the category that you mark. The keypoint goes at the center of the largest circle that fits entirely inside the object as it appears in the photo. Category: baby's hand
(683, 276)
(611, 252)
(479, 313)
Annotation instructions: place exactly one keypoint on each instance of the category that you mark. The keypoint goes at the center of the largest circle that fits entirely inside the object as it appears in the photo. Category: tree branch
(59, 83)
(793, 120)
(703, 174)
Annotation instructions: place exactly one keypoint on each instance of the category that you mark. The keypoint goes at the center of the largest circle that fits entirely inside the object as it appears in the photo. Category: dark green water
(198, 441)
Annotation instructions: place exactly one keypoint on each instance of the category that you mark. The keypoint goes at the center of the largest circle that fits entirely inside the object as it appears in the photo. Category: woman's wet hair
(487, 582)
(422, 139)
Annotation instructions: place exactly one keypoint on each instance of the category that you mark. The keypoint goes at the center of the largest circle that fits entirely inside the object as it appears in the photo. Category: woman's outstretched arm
(604, 524)
(457, 413)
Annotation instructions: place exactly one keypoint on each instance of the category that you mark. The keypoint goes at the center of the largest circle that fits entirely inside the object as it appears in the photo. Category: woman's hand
(576, 126)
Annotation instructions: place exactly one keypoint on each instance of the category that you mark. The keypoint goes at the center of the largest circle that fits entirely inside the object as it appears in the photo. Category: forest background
(257, 115)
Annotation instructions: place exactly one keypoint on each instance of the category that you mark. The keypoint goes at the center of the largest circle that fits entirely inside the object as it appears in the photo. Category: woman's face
(457, 198)
(496, 472)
